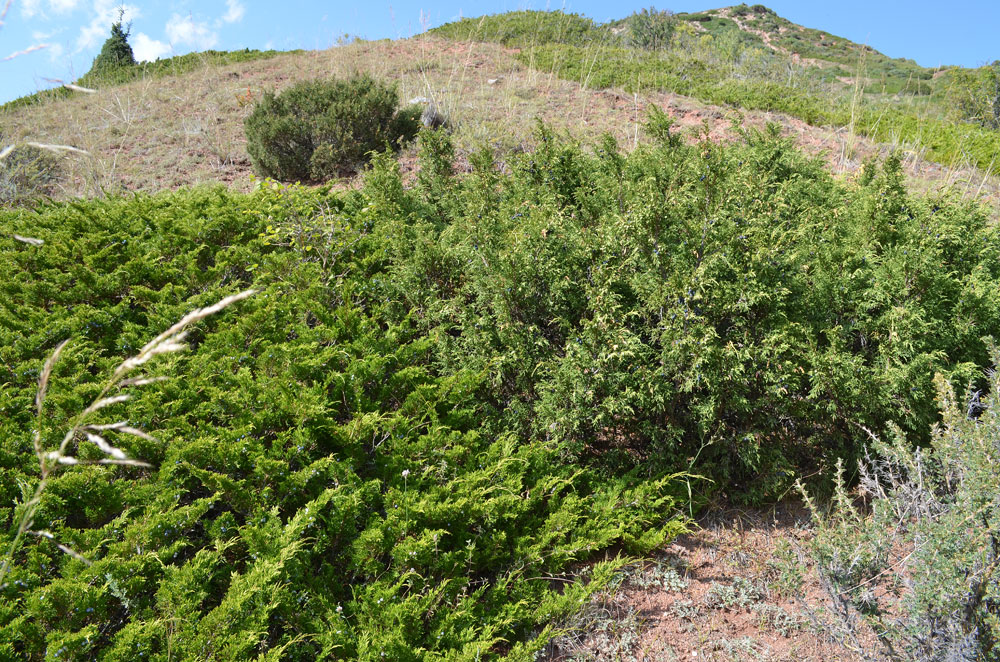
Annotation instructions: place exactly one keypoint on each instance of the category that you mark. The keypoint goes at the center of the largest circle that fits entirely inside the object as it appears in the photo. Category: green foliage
(687, 303)
(116, 53)
(442, 394)
(316, 130)
(976, 94)
(321, 487)
(27, 174)
(919, 566)
(658, 125)
(945, 141)
(721, 63)
(650, 29)
(708, 78)
(525, 28)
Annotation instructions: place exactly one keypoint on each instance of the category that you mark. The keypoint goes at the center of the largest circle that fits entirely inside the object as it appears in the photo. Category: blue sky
(58, 39)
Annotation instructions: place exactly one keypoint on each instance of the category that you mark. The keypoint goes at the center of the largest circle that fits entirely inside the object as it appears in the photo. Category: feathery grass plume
(58, 148)
(81, 429)
(29, 49)
(79, 88)
(70, 86)
(28, 240)
(3, 13)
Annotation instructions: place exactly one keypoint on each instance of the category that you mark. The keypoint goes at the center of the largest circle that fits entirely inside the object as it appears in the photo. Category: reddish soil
(741, 587)
(184, 130)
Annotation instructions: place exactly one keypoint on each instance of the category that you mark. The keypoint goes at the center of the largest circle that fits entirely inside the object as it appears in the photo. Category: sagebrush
(915, 567)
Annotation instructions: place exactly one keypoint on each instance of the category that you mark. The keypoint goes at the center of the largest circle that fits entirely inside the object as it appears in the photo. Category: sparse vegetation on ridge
(171, 66)
(721, 57)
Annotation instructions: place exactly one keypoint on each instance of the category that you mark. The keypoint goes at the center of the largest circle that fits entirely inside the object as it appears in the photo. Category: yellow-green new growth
(169, 341)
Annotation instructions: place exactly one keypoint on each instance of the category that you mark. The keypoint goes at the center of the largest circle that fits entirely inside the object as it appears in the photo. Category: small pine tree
(116, 52)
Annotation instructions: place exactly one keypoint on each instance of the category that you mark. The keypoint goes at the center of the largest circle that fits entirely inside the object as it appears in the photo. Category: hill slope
(468, 382)
(185, 129)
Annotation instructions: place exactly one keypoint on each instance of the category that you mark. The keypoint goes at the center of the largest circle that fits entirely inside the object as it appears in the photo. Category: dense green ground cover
(443, 396)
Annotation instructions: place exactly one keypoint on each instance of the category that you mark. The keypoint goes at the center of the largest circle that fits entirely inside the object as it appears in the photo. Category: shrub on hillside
(320, 489)
(650, 29)
(317, 130)
(976, 94)
(734, 305)
(919, 565)
(116, 54)
(27, 174)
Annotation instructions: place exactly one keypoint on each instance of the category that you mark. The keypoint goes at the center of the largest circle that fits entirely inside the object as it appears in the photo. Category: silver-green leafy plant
(917, 562)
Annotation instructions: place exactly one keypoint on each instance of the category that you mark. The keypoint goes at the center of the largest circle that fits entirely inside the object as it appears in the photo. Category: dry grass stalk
(78, 88)
(28, 240)
(29, 49)
(58, 148)
(81, 429)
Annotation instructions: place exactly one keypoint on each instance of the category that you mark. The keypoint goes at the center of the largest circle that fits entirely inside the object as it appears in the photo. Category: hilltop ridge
(180, 122)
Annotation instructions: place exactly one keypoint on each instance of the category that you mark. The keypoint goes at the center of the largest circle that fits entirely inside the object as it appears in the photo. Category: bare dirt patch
(741, 587)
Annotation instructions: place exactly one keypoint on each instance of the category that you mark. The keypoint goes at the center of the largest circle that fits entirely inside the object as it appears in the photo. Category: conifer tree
(116, 52)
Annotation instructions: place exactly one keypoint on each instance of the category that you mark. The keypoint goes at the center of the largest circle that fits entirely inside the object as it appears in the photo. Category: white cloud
(63, 6)
(181, 30)
(32, 8)
(147, 49)
(235, 11)
(99, 28)
(55, 52)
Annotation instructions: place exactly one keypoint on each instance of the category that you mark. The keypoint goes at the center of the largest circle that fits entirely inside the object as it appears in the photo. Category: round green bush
(321, 129)
(27, 174)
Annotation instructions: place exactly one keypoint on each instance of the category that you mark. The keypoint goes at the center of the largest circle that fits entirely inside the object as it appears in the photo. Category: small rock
(433, 118)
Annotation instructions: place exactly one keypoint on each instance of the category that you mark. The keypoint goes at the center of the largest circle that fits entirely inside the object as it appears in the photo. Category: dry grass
(187, 130)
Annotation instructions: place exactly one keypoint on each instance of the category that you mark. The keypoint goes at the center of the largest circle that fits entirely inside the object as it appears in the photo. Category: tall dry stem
(82, 429)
